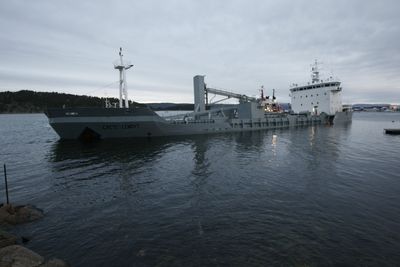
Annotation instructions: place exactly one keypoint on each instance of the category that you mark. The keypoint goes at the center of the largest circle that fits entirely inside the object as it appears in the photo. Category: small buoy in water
(141, 253)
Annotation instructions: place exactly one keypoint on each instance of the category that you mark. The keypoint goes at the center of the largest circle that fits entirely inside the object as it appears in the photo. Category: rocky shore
(12, 254)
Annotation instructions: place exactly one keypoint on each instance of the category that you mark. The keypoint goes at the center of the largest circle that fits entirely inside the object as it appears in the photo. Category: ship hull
(145, 123)
(343, 117)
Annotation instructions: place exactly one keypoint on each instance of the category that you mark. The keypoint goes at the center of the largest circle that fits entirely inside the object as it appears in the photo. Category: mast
(315, 72)
(262, 92)
(123, 86)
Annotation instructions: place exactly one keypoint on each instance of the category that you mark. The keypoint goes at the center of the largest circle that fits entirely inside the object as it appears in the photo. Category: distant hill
(26, 101)
(371, 106)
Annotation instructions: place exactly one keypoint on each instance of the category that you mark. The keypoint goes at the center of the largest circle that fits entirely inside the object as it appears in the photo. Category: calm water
(314, 196)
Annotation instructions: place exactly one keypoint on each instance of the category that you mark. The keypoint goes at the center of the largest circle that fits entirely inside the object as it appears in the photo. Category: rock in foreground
(18, 256)
(19, 214)
(7, 239)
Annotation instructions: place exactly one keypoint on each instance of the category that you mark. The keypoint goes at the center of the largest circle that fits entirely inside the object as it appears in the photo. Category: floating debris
(141, 253)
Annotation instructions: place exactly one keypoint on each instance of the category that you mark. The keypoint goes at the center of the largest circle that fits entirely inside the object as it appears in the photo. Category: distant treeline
(27, 101)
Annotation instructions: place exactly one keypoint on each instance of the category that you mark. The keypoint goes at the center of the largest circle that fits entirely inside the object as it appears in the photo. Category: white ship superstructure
(318, 96)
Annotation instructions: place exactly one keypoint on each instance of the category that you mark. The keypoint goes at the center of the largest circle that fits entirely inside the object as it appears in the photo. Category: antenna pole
(126, 90)
(123, 87)
(121, 78)
(315, 72)
(6, 183)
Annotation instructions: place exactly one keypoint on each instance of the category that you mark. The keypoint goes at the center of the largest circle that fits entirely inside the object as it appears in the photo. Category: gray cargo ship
(249, 114)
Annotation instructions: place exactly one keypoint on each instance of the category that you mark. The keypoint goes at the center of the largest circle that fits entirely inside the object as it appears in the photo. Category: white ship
(319, 96)
(249, 114)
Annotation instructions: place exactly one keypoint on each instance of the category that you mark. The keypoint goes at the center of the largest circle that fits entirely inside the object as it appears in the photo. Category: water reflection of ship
(318, 155)
(121, 168)
(115, 150)
(201, 162)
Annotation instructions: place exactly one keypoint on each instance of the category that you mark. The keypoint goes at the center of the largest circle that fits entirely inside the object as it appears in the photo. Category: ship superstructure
(124, 121)
(318, 96)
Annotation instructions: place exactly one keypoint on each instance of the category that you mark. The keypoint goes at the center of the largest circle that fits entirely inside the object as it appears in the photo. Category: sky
(70, 46)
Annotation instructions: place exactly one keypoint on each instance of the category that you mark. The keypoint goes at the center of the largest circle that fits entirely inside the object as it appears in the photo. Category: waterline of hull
(72, 128)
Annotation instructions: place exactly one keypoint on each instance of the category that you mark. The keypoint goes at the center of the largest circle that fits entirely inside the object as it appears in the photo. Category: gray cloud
(70, 46)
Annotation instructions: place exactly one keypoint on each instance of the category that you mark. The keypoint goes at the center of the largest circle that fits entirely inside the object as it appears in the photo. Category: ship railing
(336, 89)
(191, 115)
(192, 121)
(179, 116)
